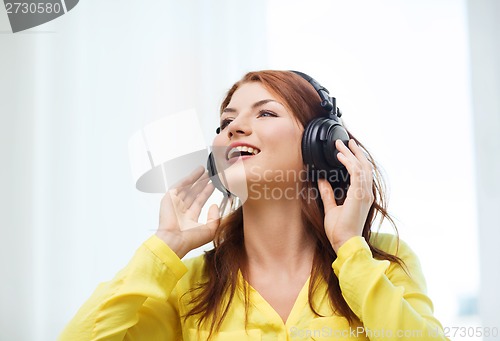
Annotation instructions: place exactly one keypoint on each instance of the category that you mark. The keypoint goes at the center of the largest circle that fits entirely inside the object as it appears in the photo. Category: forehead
(249, 93)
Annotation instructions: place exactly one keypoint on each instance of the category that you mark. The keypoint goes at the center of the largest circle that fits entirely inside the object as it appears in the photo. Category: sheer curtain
(73, 92)
(484, 25)
(400, 72)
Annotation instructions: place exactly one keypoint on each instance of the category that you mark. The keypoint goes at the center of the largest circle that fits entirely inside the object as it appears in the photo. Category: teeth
(236, 151)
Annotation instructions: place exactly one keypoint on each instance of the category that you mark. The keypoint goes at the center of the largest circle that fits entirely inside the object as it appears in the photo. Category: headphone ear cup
(307, 157)
(318, 144)
(214, 176)
(330, 151)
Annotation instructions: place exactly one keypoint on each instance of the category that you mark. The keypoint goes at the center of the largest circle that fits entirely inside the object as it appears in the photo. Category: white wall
(484, 26)
(400, 72)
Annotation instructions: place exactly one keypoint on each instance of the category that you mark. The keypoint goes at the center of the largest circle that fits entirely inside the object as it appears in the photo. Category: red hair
(212, 298)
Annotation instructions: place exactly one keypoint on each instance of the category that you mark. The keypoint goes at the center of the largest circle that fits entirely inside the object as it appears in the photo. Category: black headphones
(319, 153)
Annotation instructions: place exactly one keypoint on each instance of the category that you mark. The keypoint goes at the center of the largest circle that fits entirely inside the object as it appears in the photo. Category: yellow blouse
(143, 301)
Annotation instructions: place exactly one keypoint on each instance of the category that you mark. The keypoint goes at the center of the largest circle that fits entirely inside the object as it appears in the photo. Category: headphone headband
(327, 102)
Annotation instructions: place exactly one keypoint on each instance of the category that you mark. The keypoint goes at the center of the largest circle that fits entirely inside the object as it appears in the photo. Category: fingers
(326, 192)
(359, 168)
(189, 180)
(353, 158)
(360, 155)
(188, 188)
(213, 219)
(213, 213)
(205, 233)
(194, 209)
(189, 194)
(181, 207)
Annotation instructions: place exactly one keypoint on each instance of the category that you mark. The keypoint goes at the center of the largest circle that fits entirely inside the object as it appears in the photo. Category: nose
(239, 126)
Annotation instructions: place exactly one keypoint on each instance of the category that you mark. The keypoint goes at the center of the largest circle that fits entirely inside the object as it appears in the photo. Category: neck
(275, 237)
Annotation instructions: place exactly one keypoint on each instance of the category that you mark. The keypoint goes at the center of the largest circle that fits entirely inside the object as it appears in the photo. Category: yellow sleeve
(391, 304)
(140, 303)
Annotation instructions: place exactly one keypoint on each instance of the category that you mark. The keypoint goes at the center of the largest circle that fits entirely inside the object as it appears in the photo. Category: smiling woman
(254, 119)
(284, 265)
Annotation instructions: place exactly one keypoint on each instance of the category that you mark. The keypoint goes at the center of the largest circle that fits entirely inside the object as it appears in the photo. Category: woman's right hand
(179, 212)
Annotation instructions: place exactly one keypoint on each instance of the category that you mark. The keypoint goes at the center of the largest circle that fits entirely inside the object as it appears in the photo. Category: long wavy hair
(211, 300)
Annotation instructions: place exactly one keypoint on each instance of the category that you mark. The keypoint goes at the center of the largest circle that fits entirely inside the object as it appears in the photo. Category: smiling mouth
(242, 151)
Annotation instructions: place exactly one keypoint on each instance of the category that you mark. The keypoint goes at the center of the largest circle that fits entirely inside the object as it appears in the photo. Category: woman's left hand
(345, 221)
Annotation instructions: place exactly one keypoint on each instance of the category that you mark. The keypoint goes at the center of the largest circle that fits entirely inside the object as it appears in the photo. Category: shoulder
(194, 264)
(391, 244)
(195, 270)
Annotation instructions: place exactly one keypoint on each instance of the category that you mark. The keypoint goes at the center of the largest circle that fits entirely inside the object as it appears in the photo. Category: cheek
(289, 140)
(218, 140)
(218, 149)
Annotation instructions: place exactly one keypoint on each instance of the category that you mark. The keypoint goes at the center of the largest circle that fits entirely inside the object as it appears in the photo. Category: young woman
(287, 264)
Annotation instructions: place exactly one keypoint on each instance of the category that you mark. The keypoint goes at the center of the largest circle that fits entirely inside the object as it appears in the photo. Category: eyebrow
(255, 105)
